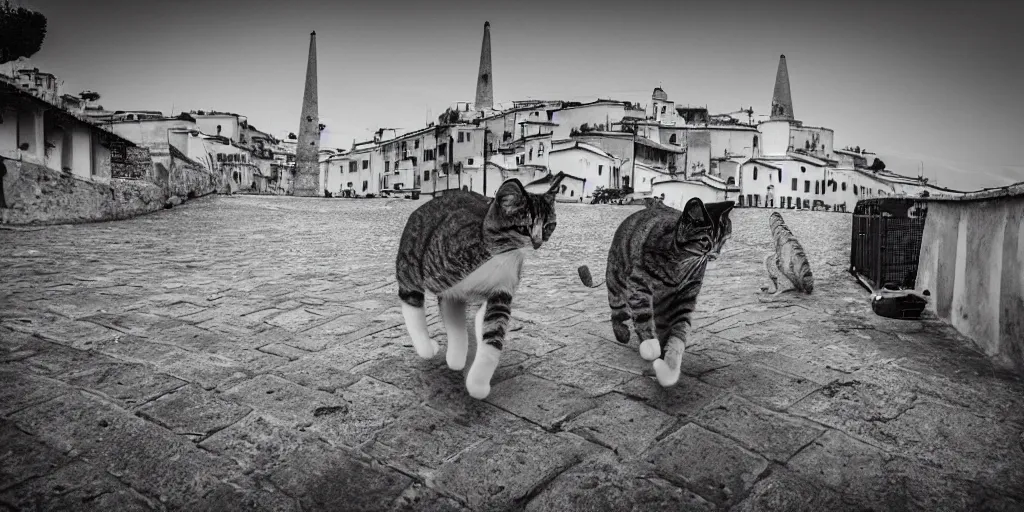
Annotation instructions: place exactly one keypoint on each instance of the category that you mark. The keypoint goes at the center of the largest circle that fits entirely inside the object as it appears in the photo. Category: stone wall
(37, 195)
(972, 262)
(188, 179)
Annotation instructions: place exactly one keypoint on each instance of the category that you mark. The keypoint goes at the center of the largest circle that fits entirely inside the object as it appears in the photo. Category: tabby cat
(788, 260)
(464, 248)
(655, 269)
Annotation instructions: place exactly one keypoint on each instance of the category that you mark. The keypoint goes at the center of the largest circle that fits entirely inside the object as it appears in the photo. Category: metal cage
(886, 242)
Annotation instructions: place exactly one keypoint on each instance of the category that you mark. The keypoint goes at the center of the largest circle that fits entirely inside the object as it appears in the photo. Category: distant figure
(3, 174)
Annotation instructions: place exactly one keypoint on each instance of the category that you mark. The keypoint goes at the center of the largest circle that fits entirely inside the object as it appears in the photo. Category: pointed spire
(307, 150)
(782, 101)
(485, 81)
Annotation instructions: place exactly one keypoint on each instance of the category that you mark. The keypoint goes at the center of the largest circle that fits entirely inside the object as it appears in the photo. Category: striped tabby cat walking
(655, 270)
(788, 260)
(464, 249)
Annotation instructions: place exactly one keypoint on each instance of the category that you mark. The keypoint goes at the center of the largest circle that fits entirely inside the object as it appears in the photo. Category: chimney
(485, 80)
(307, 148)
(782, 101)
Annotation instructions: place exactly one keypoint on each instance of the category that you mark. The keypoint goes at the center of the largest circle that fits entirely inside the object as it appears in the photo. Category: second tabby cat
(655, 270)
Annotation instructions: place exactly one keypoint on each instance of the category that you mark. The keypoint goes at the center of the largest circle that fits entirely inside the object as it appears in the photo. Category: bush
(21, 32)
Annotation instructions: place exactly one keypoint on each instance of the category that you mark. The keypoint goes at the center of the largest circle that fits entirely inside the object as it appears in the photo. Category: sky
(933, 85)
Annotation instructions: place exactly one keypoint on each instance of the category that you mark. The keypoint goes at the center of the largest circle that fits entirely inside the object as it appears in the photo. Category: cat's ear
(695, 214)
(511, 196)
(556, 183)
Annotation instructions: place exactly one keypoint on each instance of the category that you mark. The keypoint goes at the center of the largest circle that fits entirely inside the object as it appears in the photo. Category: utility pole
(485, 160)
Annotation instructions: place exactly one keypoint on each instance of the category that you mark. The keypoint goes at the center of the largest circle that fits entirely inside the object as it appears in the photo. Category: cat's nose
(536, 244)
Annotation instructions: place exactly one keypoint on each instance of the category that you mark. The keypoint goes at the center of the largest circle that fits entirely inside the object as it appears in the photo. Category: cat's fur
(719, 213)
(465, 248)
(788, 260)
(655, 269)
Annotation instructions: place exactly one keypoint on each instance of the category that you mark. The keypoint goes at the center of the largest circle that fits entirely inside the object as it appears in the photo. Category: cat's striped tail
(586, 278)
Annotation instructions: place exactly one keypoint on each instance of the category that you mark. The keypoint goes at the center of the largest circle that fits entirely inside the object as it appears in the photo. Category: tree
(877, 165)
(21, 32)
(89, 95)
(449, 116)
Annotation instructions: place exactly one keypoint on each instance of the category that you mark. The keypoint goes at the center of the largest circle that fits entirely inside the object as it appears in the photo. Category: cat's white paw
(650, 349)
(427, 349)
(666, 376)
(478, 390)
(456, 358)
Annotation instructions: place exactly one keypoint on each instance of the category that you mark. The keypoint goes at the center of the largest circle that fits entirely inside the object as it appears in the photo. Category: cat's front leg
(667, 368)
(491, 325)
(453, 314)
(416, 322)
(642, 308)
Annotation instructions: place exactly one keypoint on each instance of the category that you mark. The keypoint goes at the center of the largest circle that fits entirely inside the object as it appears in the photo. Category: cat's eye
(523, 230)
(549, 228)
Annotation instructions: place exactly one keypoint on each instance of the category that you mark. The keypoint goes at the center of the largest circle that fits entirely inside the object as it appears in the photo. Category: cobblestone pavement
(249, 352)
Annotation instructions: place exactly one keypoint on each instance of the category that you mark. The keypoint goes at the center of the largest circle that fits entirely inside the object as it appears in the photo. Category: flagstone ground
(249, 353)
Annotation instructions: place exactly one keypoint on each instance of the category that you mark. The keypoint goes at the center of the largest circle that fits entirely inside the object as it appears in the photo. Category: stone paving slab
(250, 353)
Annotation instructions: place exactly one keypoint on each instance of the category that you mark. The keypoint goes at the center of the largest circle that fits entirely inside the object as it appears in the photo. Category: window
(462, 136)
(755, 141)
(672, 139)
(416, 144)
(564, 188)
(572, 193)
(387, 166)
(599, 169)
(757, 200)
(741, 200)
(807, 186)
(663, 109)
(844, 187)
(366, 185)
(803, 169)
(540, 150)
(755, 173)
(794, 183)
(807, 204)
(531, 154)
(352, 167)
(467, 136)
(855, 190)
(426, 175)
(469, 161)
(730, 181)
(366, 164)
(816, 187)
(428, 155)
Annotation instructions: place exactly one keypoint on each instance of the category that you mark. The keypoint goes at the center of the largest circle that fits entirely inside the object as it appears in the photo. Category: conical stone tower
(484, 81)
(307, 151)
(782, 101)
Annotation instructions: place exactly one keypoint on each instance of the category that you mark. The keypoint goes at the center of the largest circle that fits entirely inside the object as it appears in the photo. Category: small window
(387, 166)
(467, 136)
(366, 185)
(572, 193)
(663, 109)
(855, 190)
(540, 150)
(816, 187)
(462, 136)
(844, 187)
(564, 188)
(672, 139)
(755, 173)
(794, 183)
(730, 181)
(366, 164)
(807, 186)
(803, 169)
(531, 154)
(469, 161)
(416, 144)
(600, 168)
(426, 175)
(755, 141)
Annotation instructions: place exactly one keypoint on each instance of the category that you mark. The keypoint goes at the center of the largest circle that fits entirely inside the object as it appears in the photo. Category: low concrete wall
(189, 180)
(972, 261)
